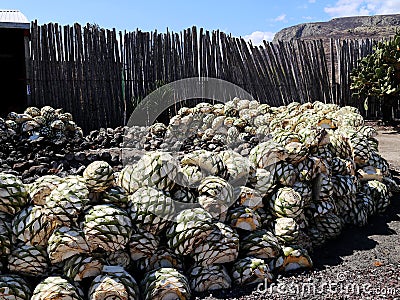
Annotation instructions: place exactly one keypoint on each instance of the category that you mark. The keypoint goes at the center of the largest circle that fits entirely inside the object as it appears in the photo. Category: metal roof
(13, 19)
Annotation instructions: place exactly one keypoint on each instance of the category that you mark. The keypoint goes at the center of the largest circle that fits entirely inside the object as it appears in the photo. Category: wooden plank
(84, 71)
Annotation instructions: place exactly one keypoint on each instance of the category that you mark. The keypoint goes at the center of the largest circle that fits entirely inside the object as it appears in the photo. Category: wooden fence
(100, 75)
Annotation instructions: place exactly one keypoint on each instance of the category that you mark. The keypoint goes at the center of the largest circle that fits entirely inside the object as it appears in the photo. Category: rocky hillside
(374, 27)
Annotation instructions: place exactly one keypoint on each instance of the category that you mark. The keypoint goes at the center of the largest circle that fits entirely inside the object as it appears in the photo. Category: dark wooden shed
(14, 61)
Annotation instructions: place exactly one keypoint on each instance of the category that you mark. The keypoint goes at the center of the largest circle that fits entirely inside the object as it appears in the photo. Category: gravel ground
(362, 263)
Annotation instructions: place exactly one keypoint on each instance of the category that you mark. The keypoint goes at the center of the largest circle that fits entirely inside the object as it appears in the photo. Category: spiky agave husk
(267, 153)
(316, 237)
(368, 203)
(367, 131)
(248, 197)
(349, 119)
(150, 209)
(13, 286)
(33, 111)
(378, 192)
(143, 244)
(340, 144)
(232, 135)
(219, 247)
(99, 176)
(13, 194)
(184, 195)
(56, 287)
(286, 202)
(154, 169)
(314, 136)
(42, 187)
(286, 230)
(238, 167)
(324, 153)
(296, 258)
(262, 130)
(360, 212)
(244, 218)
(114, 283)
(118, 258)
(191, 228)
(267, 219)
(391, 184)
(216, 195)
(115, 195)
(377, 161)
(48, 113)
(342, 166)
(360, 148)
(261, 121)
(107, 227)
(210, 163)
(45, 131)
(344, 185)
(158, 129)
(216, 208)
(28, 260)
(5, 234)
(218, 125)
(263, 181)
(161, 258)
(165, 283)
(284, 137)
(260, 244)
(284, 173)
(250, 270)
(328, 224)
(322, 207)
(67, 201)
(373, 144)
(128, 178)
(305, 190)
(297, 152)
(65, 242)
(353, 210)
(207, 121)
(209, 278)
(81, 266)
(310, 168)
(33, 226)
(189, 176)
(322, 187)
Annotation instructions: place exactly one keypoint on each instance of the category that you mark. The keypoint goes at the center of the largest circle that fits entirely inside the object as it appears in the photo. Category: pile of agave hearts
(168, 226)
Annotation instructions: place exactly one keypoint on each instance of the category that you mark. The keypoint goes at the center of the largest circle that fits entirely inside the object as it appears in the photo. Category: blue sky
(255, 20)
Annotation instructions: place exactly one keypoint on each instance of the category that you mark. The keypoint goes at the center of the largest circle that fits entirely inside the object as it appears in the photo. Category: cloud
(280, 18)
(389, 7)
(312, 1)
(257, 37)
(344, 8)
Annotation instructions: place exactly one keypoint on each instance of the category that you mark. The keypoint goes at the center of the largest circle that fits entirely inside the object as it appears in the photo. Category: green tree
(378, 75)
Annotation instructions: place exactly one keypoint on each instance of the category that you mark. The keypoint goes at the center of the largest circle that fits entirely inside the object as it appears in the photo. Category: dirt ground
(362, 263)
(389, 147)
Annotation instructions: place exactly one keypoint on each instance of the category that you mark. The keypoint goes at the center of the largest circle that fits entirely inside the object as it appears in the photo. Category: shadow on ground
(357, 238)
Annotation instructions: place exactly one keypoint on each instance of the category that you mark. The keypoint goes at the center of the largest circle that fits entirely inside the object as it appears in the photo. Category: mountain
(360, 27)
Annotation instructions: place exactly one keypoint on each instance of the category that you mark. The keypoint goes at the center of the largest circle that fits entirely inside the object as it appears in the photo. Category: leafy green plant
(378, 75)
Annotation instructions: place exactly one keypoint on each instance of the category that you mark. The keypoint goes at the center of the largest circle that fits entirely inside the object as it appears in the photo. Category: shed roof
(13, 19)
